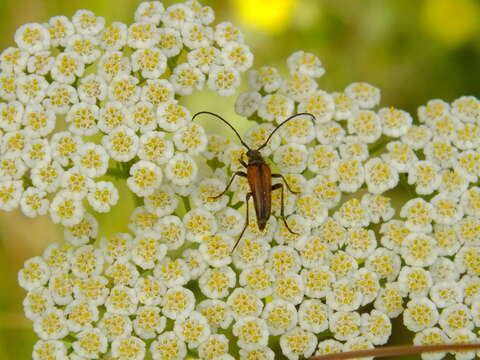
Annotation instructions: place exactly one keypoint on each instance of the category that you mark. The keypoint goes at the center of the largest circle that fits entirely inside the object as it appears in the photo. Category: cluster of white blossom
(82, 99)
(386, 215)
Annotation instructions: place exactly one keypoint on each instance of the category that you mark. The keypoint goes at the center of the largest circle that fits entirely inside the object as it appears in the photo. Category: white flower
(148, 322)
(142, 35)
(102, 196)
(193, 329)
(419, 250)
(40, 63)
(345, 325)
(64, 145)
(74, 181)
(376, 327)
(298, 86)
(226, 32)
(86, 23)
(390, 299)
(51, 325)
(247, 103)
(162, 202)
(81, 233)
(37, 302)
(171, 272)
(320, 104)
(298, 342)
(181, 169)
(433, 109)
(171, 116)
(385, 263)
(150, 61)
(36, 153)
(305, 63)
(431, 336)
(67, 67)
(454, 318)
(364, 94)
(84, 46)
(216, 249)
(113, 64)
(330, 133)
(34, 274)
(121, 144)
(252, 333)
(128, 348)
(178, 302)
(79, 315)
(420, 314)
(216, 283)
(380, 176)
(291, 158)
(124, 88)
(224, 80)
(87, 261)
(49, 349)
(417, 281)
(14, 60)
(66, 209)
(196, 35)
(144, 178)
(114, 325)
(344, 296)
(92, 88)
(446, 293)
(122, 300)
(470, 202)
(170, 41)
(190, 138)
(395, 122)
(237, 55)
(366, 125)
(31, 89)
(83, 118)
(177, 15)
(149, 291)
(204, 58)
(257, 280)
(276, 108)
(217, 313)
(168, 345)
(90, 343)
(215, 347)
(329, 346)
(313, 316)
(32, 37)
(11, 115)
(299, 130)
(185, 78)
(418, 214)
(33, 202)
(113, 37)
(360, 242)
(60, 97)
(60, 29)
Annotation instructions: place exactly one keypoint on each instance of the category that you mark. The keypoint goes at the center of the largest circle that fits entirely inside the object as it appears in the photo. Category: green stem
(186, 203)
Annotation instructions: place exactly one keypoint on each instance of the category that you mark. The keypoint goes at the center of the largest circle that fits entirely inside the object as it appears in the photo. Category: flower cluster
(386, 210)
(113, 89)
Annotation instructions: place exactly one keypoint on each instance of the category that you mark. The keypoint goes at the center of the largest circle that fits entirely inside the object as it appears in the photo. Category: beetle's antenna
(396, 351)
(283, 122)
(225, 121)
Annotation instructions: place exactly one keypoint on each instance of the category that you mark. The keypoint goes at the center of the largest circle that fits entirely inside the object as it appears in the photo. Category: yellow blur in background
(414, 50)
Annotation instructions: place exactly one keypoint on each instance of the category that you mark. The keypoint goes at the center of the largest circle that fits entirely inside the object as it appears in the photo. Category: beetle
(392, 351)
(259, 177)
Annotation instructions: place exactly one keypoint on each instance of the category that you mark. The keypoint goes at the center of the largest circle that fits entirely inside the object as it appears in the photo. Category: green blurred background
(414, 50)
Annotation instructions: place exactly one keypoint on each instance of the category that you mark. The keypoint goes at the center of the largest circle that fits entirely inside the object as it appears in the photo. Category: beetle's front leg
(243, 162)
(286, 183)
(238, 173)
(249, 195)
(282, 209)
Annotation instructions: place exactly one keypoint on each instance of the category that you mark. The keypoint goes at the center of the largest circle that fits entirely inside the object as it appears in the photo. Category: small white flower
(224, 80)
(237, 55)
(446, 293)
(122, 300)
(84, 46)
(150, 61)
(344, 296)
(36, 153)
(74, 181)
(366, 125)
(191, 138)
(276, 108)
(216, 283)
(196, 35)
(90, 343)
(14, 60)
(86, 23)
(395, 122)
(400, 156)
(83, 119)
(390, 299)
(217, 313)
(178, 302)
(60, 97)
(420, 314)
(162, 202)
(291, 158)
(252, 333)
(49, 349)
(11, 115)
(51, 325)
(32, 37)
(144, 178)
(380, 176)
(193, 329)
(60, 29)
(113, 64)
(305, 63)
(170, 41)
(92, 88)
(215, 347)
(417, 281)
(121, 144)
(168, 345)
(385, 263)
(150, 291)
(247, 103)
(128, 347)
(204, 58)
(418, 214)
(364, 94)
(181, 169)
(113, 37)
(455, 318)
(142, 117)
(148, 322)
(66, 209)
(79, 315)
(67, 67)
(177, 15)
(186, 78)
(31, 89)
(37, 302)
(313, 316)
(34, 274)
(376, 327)
(345, 325)
(431, 336)
(87, 261)
(171, 116)
(419, 250)
(171, 272)
(92, 160)
(102, 196)
(433, 109)
(81, 233)
(124, 88)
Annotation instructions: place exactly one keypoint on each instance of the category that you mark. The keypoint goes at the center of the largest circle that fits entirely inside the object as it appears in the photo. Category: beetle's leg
(286, 183)
(249, 195)
(238, 173)
(282, 209)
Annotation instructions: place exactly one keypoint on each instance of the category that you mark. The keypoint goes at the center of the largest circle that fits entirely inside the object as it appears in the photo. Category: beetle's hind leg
(282, 209)
(286, 183)
(238, 173)
(249, 195)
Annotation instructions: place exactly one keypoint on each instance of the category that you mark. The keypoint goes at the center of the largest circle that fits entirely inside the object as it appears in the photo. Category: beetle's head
(254, 155)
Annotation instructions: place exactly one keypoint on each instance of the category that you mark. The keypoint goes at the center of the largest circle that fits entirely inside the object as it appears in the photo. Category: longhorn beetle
(259, 177)
(384, 351)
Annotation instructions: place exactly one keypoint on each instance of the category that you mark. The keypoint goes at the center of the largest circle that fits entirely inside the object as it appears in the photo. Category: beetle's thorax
(255, 158)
